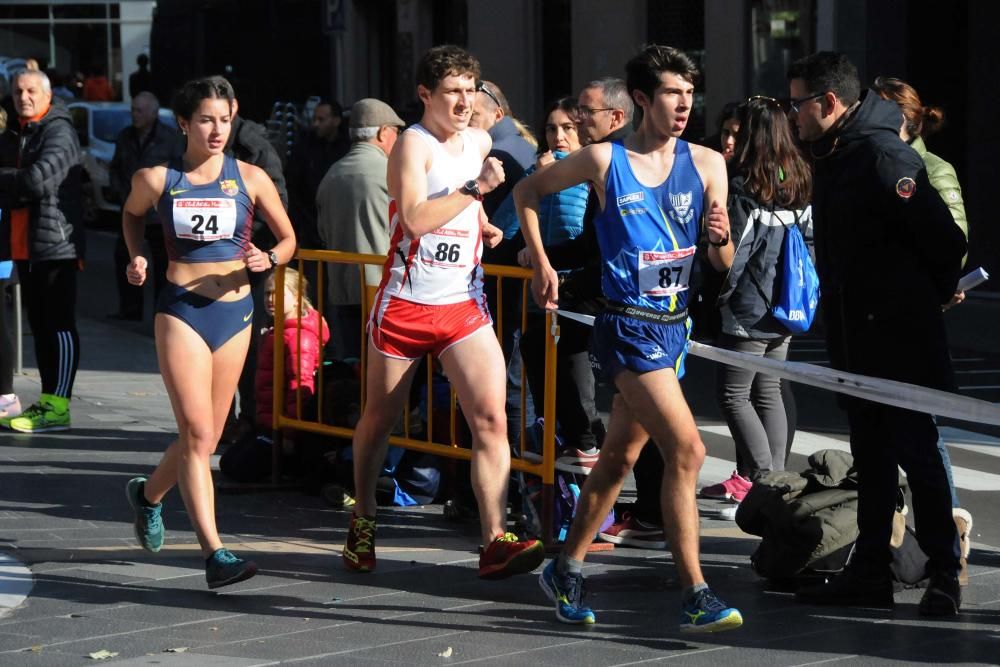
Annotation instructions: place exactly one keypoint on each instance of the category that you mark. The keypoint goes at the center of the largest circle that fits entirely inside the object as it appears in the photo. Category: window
(783, 32)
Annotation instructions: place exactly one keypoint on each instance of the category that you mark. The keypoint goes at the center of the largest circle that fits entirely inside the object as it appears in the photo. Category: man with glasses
(888, 255)
(352, 205)
(605, 108)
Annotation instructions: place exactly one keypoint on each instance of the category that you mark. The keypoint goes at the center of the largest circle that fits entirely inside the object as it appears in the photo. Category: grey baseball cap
(369, 112)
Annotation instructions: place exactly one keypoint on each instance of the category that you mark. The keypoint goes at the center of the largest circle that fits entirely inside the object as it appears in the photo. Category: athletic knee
(687, 456)
(201, 440)
(616, 464)
(489, 423)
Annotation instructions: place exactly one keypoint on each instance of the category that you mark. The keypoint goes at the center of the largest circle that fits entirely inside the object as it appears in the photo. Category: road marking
(807, 443)
(15, 583)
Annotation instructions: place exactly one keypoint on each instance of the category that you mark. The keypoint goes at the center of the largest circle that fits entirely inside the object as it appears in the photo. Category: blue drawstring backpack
(797, 293)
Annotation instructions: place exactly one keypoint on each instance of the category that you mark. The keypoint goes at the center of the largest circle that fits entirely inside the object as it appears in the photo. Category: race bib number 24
(205, 219)
(663, 273)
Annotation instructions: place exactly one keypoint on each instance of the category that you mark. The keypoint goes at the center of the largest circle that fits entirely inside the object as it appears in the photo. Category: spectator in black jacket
(145, 143)
(312, 156)
(248, 142)
(46, 233)
(888, 254)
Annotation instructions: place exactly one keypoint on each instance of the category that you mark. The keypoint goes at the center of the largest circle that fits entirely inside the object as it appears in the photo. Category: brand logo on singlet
(631, 197)
(175, 192)
(229, 187)
(680, 204)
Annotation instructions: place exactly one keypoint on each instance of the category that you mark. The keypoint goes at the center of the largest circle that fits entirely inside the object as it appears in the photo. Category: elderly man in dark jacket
(888, 255)
(144, 143)
(44, 194)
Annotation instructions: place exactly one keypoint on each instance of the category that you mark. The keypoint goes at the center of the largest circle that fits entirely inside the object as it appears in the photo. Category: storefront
(70, 38)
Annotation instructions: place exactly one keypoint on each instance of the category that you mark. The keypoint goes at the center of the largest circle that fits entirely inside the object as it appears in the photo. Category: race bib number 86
(205, 219)
(665, 273)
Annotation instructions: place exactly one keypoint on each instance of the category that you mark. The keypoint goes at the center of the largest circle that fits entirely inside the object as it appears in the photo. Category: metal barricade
(545, 469)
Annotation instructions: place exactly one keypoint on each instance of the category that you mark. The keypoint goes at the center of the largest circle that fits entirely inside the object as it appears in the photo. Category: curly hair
(445, 60)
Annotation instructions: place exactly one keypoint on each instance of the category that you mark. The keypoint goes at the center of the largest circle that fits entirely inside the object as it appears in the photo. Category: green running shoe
(148, 523)
(50, 413)
(223, 568)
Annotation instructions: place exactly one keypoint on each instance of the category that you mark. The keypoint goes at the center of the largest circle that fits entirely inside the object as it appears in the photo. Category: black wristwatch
(471, 188)
(273, 256)
(721, 244)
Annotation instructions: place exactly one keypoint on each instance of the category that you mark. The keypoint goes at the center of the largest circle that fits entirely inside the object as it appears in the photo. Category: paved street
(88, 587)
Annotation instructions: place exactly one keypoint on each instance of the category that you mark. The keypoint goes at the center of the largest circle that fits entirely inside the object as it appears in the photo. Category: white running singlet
(442, 266)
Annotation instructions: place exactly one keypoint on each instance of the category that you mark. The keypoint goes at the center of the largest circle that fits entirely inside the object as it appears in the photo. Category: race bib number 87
(205, 219)
(665, 273)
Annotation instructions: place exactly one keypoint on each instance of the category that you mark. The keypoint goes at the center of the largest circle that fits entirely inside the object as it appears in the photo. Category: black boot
(849, 589)
(943, 596)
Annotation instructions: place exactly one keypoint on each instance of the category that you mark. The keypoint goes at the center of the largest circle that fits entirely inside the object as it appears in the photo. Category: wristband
(721, 244)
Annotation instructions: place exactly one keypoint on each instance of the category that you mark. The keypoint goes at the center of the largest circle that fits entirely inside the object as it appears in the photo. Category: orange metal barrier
(545, 469)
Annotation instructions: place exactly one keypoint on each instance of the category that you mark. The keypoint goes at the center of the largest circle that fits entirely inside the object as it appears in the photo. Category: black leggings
(49, 291)
(6, 342)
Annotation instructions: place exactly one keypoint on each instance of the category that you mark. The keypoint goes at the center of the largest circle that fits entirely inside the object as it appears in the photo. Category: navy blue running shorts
(626, 343)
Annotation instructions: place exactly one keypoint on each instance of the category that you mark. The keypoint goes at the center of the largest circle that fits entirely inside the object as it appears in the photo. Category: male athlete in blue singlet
(656, 191)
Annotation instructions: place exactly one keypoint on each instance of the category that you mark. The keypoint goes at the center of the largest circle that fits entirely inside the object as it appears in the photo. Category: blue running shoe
(566, 590)
(707, 613)
(148, 523)
(223, 568)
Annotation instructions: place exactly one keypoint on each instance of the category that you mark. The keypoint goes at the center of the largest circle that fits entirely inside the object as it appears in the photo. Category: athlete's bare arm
(588, 164)
(409, 163)
(712, 168)
(147, 186)
(265, 198)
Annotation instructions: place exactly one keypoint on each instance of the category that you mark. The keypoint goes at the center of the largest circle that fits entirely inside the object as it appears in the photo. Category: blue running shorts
(622, 342)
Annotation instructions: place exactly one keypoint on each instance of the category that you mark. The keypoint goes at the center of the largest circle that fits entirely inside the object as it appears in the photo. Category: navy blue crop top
(205, 223)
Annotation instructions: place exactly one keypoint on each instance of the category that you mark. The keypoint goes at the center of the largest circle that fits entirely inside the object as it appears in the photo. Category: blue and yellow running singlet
(648, 235)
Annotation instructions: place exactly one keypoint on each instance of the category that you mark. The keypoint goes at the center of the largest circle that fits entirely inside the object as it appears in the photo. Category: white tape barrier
(888, 392)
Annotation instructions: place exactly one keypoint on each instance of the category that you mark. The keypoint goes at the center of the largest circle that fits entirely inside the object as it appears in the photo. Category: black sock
(142, 496)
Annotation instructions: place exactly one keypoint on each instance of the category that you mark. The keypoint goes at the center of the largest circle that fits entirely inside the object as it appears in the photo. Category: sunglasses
(485, 90)
(795, 103)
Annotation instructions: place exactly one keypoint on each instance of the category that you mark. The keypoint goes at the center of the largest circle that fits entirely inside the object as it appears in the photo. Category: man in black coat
(145, 143)
(248, 142)
(888, 255)
(44, 195)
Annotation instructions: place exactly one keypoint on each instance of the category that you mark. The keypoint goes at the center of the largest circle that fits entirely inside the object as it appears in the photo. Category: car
(98, 125)
(8, 66)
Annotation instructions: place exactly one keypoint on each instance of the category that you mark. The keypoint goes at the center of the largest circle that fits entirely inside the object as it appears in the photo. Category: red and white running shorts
(408, 330)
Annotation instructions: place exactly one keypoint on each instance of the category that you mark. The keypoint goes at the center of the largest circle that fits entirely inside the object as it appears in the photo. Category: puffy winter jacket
(304, 340)
(944, 179)
(560, 214)
(47, 181)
